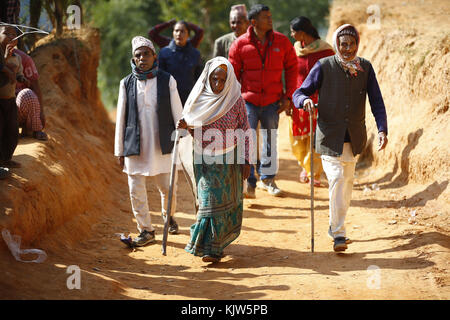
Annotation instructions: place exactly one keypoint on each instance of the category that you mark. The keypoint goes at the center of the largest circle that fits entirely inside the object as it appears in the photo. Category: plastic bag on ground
(13, 242)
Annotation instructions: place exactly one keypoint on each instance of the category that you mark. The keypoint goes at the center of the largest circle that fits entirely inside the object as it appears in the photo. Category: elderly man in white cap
(148, 109)
(239, 24)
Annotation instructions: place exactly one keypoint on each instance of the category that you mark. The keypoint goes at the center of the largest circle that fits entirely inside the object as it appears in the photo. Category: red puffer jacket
(262, 82)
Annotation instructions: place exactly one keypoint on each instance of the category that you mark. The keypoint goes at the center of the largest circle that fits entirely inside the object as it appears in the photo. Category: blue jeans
(268, 117)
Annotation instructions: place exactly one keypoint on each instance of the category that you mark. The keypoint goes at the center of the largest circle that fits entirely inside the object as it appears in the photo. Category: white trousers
(139, 201)
(340, 172)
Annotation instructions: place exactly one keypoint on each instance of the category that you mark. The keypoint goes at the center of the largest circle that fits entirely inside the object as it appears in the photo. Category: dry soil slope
(410, 54)
(69, 175)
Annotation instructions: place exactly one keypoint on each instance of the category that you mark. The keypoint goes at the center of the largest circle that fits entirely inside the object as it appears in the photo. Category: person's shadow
(401, 179)
(431, 192)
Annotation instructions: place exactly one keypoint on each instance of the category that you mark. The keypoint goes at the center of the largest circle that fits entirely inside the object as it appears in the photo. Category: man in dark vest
(342, 80)
(147, 110)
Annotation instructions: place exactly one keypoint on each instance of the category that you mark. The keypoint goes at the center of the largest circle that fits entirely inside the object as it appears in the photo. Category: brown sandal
(208, 258)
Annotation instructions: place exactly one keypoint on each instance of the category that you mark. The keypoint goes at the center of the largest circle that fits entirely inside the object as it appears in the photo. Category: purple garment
(313, 83)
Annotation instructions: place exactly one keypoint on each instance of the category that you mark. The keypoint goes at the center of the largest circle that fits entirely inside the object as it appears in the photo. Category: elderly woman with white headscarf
(343, 82)
(215, 115)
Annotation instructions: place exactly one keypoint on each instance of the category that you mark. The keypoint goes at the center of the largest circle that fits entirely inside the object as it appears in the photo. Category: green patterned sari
(220, 199)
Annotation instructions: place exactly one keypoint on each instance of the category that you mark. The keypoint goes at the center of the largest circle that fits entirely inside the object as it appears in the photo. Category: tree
(284, 11)
(57, 11)
(118, 21)
(35, 12)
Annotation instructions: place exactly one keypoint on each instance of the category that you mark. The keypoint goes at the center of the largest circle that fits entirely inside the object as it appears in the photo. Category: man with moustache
(343, 82)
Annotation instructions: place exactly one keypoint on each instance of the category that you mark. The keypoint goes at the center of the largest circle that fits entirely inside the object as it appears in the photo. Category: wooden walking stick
(170, 196)
(311, 150)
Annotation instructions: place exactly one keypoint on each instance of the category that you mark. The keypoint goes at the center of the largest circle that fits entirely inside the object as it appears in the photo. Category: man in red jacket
(259, 58)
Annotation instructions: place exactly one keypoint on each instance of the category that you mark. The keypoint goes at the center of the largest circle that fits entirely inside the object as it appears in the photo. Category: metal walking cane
(311, 150)
(169, 200)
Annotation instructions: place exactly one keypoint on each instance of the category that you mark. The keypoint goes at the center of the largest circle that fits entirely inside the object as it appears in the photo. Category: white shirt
(151, 161)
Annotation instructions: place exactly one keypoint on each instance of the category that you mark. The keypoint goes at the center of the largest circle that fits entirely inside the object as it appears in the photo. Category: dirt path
(389, 258)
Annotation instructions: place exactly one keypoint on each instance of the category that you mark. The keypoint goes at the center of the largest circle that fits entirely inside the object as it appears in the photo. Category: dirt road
(390, 257)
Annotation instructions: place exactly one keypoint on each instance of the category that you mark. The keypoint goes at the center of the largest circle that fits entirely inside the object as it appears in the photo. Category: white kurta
(151, 161)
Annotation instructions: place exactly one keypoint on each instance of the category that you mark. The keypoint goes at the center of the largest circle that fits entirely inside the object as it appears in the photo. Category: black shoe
(144, 238)
(173, 226)
(347, 240)
(339, 244)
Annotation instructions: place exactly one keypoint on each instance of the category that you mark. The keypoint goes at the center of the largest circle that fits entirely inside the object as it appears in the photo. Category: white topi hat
(140, 41)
